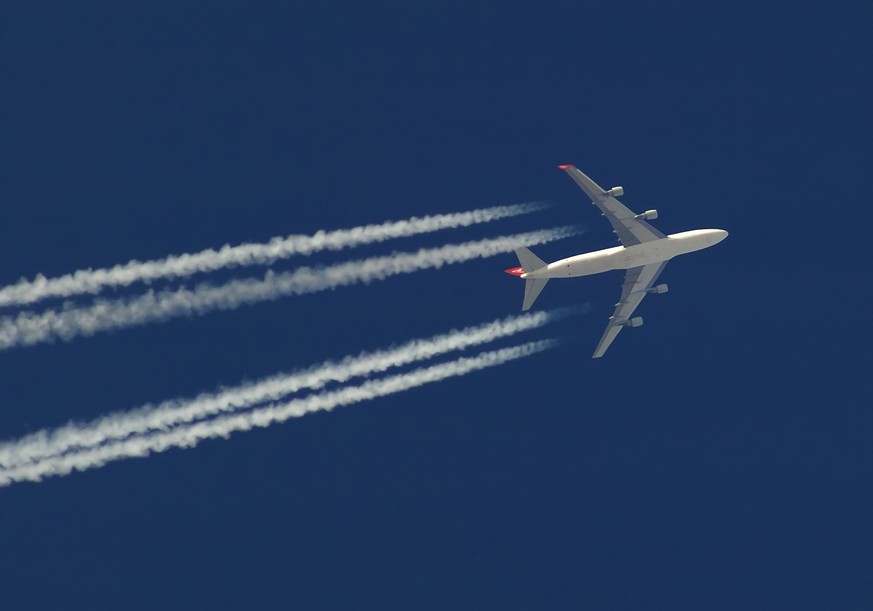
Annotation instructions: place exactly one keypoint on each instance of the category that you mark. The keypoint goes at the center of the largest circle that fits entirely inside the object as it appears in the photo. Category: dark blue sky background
(718, 457)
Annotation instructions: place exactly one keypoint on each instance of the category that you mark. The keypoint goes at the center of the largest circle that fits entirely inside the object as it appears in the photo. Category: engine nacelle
(657, 290)
(636, 321)
(615, 192)
(648, 215)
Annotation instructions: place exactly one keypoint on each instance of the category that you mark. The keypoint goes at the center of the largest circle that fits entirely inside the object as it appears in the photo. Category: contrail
(93, 281)
(222, 426)
(75, 437)
(28, 328)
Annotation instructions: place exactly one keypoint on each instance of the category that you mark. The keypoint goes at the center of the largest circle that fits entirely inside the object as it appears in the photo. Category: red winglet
(564, 167)
(515, 271)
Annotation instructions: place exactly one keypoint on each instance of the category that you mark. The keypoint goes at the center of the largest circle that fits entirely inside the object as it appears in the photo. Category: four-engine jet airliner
(644, 253)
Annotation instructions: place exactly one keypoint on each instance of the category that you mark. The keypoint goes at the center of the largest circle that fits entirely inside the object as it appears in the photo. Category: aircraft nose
(720, 234)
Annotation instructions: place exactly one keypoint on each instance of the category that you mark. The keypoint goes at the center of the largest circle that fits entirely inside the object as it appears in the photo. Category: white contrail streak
(75, 437)
(92, 281)
(222, 426)
(28, 328)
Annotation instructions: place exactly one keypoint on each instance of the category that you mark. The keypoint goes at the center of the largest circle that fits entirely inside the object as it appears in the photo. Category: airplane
(644, 252)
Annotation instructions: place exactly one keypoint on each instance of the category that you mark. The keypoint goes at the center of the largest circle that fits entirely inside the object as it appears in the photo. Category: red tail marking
(515, 271)
(564, 167)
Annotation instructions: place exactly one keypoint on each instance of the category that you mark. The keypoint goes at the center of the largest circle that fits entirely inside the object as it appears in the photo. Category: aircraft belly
(621, 257)
(648, 253)
(585, 265)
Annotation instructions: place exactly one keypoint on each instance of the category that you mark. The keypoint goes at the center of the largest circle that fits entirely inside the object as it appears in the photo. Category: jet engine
(648, 215)
(615, 191)
(657, 290)
(636, 321)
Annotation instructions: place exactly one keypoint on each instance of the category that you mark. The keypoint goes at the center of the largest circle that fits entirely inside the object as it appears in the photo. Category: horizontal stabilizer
(532, 286)
(532, 289)
(529, 261)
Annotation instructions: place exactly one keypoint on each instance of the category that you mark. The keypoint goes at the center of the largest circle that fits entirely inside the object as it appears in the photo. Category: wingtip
(564, 166)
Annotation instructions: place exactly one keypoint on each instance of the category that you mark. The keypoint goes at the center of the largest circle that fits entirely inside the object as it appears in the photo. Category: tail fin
(532, 286)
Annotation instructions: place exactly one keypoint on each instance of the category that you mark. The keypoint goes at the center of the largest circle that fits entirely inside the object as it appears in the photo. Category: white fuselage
(626, 257)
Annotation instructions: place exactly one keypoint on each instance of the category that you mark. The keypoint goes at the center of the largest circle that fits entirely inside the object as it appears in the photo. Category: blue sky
(718, 457)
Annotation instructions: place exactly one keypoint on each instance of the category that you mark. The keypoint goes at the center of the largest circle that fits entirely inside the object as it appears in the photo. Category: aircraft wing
(637, 282)
(630, 230)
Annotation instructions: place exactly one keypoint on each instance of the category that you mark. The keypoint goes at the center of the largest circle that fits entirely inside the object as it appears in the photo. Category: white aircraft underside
(644, 253)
